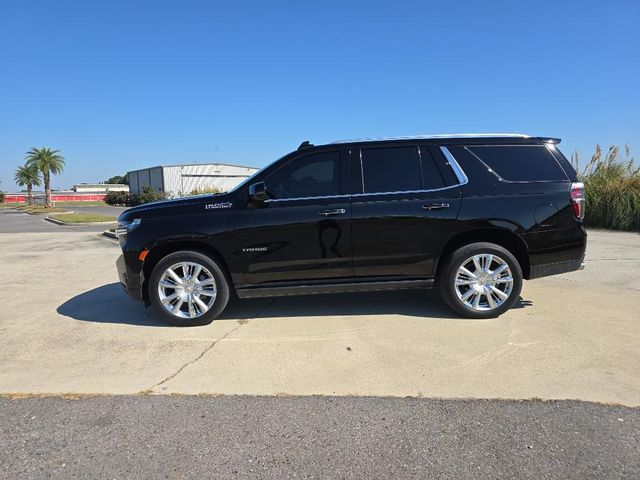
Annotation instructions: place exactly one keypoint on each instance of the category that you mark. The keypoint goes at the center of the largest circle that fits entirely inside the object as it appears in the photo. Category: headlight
(125, 227)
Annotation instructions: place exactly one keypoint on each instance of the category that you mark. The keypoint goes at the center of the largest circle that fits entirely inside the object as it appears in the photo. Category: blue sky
(120, 85)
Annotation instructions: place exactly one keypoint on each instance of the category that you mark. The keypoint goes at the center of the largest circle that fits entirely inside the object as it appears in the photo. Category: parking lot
(67, 328)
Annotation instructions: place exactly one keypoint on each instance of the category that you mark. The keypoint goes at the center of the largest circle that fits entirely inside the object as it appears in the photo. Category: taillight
(577, 199)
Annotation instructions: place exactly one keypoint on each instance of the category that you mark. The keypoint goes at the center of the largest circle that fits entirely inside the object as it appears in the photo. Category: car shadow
(110, 304)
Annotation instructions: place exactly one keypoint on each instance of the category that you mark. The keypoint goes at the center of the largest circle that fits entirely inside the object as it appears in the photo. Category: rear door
(402, 211)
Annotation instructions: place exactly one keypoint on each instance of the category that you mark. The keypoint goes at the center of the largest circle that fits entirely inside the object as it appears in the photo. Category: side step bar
(279, 291)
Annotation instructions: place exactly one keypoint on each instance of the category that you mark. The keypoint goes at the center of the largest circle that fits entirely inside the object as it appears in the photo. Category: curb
(59, 222)
(42, 213)
(110, 234)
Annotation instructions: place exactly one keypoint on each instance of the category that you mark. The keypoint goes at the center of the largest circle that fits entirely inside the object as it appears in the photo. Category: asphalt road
(98, 209)
(13, 221)
(315, 437)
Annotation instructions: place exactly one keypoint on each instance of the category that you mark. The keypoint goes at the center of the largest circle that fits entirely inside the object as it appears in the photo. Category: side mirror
(258, 192)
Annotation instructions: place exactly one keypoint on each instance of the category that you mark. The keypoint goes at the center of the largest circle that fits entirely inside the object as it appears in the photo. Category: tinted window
(431, 177)
(520, 163)
(564, 163)
(315, 175)
(391, 169)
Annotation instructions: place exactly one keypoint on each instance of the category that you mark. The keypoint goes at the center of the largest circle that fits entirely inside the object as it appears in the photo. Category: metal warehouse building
(182, 179)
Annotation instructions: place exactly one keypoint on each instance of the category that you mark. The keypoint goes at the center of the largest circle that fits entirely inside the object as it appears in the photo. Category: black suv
(473, 215)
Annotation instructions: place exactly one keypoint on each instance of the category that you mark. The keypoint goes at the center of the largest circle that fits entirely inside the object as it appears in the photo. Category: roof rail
(429, 137)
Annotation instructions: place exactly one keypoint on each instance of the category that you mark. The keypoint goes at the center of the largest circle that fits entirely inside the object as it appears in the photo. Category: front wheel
(481, 280)
(188, 288)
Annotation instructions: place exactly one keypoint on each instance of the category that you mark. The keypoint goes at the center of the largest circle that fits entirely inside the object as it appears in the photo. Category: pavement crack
(191, 362)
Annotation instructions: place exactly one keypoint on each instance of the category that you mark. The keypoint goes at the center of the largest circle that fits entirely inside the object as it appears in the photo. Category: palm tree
(46, 161)
(27, 175)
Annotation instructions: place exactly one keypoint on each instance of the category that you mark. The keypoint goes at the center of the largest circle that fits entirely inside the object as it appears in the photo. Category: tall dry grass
(612, 189)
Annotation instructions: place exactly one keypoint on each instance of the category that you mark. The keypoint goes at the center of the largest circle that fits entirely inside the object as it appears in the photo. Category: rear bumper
(558, 251)
(556, 268)
(129, 280)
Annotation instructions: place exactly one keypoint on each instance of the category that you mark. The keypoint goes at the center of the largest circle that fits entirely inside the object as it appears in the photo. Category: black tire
(460, 257)
(209, 267)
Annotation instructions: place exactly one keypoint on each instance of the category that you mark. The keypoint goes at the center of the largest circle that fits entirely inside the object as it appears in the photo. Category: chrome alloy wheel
(187, 290)
(484, 282)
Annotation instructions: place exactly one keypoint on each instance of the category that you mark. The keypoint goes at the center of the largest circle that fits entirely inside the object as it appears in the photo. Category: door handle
(435, 206)
(335, 211)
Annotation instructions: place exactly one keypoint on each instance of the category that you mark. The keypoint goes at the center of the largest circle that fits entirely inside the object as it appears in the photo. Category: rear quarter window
(520, 163)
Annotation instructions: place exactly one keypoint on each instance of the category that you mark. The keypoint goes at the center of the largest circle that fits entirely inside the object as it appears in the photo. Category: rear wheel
(481, 280)
(188, 288)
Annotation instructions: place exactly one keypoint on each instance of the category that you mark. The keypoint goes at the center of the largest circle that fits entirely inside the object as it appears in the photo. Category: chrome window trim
(270, 200)
(275, 200)
(455, 166)
(504, 180)
(462, 179)
(361, 169)
(405, 191)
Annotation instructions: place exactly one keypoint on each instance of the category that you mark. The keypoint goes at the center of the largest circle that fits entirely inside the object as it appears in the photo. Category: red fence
(57, 197)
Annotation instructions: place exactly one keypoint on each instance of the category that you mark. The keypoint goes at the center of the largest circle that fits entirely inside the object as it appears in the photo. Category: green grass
(83, 218)
(10, 205)
(36, 209)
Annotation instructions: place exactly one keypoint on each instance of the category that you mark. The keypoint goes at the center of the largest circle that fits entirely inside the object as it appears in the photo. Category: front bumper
(129, 280)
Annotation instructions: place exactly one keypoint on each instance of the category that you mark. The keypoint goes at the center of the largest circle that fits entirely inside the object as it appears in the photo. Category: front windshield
(249, 178)
(245, 181)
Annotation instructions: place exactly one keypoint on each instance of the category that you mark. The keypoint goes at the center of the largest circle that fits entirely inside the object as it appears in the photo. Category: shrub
(2, 197)
(116, 198)
(149, 195)
(127, 199)
(198, 191)
(133, 199)
(612, 190)
(203, 191)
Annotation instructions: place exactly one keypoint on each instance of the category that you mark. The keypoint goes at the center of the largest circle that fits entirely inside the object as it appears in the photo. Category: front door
(303, 232)
(403, 213)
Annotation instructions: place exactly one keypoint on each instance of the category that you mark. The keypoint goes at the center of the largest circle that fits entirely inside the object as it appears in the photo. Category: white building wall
(117, 188)
(186, 178)
(172, 180)
(155, 179)
(144, 179)
(133, 182)
(183, 179)
(104, 187)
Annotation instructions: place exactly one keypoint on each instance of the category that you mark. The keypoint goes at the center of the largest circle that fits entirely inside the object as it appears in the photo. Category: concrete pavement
(68, 328)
